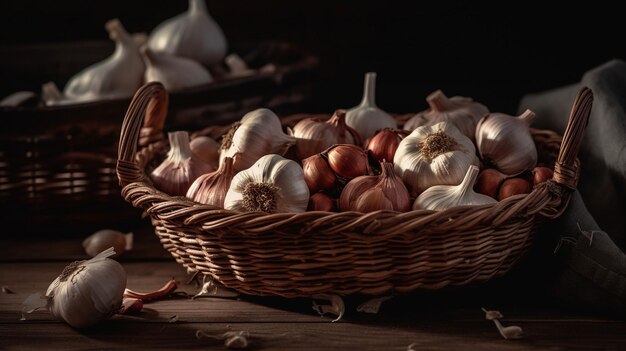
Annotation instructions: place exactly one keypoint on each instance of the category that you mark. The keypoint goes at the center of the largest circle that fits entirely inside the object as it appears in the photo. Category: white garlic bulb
(441, 197)
(175, 73)
(192, 34)
(505, 141)
(88, 291)
(273, 184)
(434, 155)
(257, 134)
(367, 118)
(120, 75)
(463, 112)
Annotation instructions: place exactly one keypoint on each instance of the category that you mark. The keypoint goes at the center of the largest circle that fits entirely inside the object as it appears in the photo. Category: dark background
(492, 52)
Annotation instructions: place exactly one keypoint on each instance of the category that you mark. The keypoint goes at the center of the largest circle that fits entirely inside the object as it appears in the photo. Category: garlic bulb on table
(258, 133)
(211, 188)
(441, 197)
(181, 167)
(314, 135)
(367, 118)
(463, 112)
(175, 73)
(85, 292)
(434, 155)
(120, 75)
(192, 34)
(505, 141)
(272, 184)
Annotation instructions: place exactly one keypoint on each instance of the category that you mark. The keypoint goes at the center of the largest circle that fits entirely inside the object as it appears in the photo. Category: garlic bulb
(505, 142)
(272, 184)
(192, 34)
(105, 238)
(463, 112)
(373, 193)
(434, 155)
(314, 135)
(206, 149)
(88, 291)
(258, 133)
(175, 73)
(441, 197)
(367, 118)
(120, 75)
(211, 188)
(174, 175)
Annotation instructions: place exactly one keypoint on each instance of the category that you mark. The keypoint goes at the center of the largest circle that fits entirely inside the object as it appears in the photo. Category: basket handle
(150, 96)
(566, 166)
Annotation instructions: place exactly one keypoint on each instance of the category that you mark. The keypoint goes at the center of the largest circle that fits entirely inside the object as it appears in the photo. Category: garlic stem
(469, 180)
(438, 101)
(179, 146)
(528, 116)
(197, 7)
(369, 90)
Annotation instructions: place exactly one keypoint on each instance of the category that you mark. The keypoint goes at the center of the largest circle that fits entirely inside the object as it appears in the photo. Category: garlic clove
(175, 73)
(489, 182)
(514, 186)
(193, 34)
(317, 174)
(314, 135)
(272, 184)
(211, 188)
(103, 239)
(120, 75)
(206, 149)
(367, 118)
(348, 161)
(384, 144)
(321, 202)
(541, 174)
(505, 141)
(442, 197)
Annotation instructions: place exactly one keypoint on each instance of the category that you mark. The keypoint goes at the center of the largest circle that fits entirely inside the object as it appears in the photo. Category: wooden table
(446, 320)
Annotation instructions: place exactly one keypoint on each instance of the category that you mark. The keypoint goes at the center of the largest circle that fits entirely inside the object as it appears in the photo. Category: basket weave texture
(309, 253)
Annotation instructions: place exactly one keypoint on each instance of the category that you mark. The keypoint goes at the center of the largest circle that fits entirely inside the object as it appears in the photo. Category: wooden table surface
(445, 320)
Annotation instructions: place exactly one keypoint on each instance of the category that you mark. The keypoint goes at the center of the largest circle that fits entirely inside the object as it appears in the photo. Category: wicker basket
(304, 254)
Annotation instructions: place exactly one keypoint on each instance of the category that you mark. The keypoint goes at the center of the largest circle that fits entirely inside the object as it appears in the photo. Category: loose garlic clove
(175, 175)
(314, 135)
(384, 144)
(441, 197)
(463, 112)
(505, 141)
(272, 184)
(347, 161)
(103, 239)
(367, 118)
(434, 155)
(321, 202)
(489, 182)
(258, 133)
(192, 34)
(211, 188)
(206, 149)
(175, 73)
(317, 174)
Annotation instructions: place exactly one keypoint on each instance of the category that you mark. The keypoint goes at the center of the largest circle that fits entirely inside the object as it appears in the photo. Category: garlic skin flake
(88, 291)
(273, 184)
(506, 142)
(441, 197)
(434, 155)
(367, 118)
(192, 34)
(175, 73)
(120, 75)
(258, 133)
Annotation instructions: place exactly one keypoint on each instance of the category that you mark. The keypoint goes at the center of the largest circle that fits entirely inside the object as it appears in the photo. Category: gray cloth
(603, 150)
(587, 268)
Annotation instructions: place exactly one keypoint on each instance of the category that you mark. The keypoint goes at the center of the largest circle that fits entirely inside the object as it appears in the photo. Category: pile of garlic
(359, 160)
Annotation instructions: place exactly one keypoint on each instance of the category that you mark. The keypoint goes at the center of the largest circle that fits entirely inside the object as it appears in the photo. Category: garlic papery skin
(120, 75)
(463, 112)
(105, 238)
(180, 169)
(206, 149)
(258, 133)
(88, 291)
(434, 155)
(175, 73)
(374, 193)
(505, 141)
(441, 197)
(192, 34)
(367, 118)
(211, 188)
(384, 144)
(273, 184)
(314, 135)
